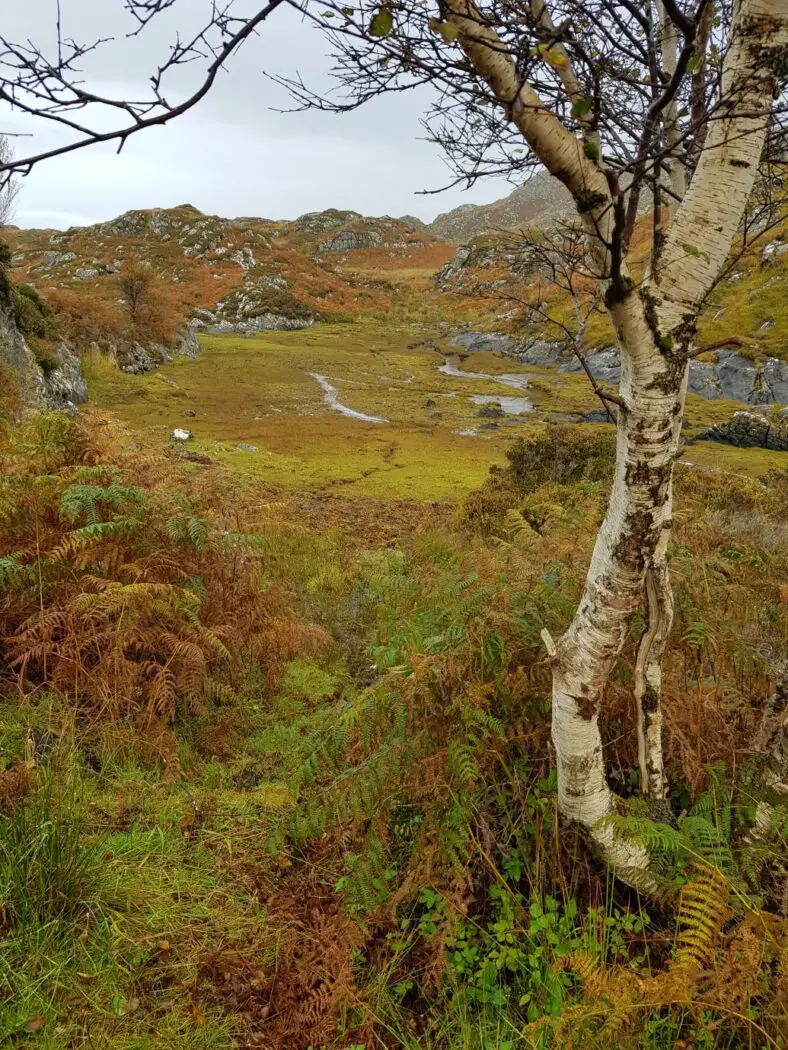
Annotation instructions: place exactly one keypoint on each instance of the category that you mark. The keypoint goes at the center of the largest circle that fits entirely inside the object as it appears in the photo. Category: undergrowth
(273, 787)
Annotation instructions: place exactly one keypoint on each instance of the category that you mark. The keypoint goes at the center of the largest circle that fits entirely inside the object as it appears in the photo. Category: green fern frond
(86, 500)
(461, 762)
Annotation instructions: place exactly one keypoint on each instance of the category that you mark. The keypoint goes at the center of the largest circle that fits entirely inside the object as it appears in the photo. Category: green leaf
(580, 107)
(449, 31)
(690, 249)
(382, 23)
(446, 30)
(554, 58)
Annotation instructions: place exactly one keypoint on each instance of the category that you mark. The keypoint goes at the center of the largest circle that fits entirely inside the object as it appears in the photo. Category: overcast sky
(233, 154)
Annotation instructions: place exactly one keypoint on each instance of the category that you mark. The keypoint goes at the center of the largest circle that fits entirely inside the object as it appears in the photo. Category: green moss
(33, 315)
(6, 288)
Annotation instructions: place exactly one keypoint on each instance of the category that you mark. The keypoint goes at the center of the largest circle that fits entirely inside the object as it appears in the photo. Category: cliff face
(27, 384)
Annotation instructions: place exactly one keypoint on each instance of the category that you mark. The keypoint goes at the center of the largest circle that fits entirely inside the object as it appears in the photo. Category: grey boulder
(495, 342)
(752, 430)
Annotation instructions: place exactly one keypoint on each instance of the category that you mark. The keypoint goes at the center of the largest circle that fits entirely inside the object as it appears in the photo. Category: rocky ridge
(538, 202)
(242, 275)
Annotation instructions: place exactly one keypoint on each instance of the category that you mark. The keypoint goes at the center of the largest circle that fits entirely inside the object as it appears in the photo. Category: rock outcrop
(264, 303)
(27, 384)
(538, 202)
(752, 430)
(773, 252)
(495, 342)
(352, 241)
(487, 263)
(137, 359)
(731, 376)
(738, 378)
(64, 387)
(262, 323)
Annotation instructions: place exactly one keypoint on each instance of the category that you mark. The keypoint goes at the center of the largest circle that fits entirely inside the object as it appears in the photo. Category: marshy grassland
(436, 443)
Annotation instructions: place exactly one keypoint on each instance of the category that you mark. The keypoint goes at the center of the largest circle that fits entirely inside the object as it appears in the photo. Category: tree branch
(36, 75)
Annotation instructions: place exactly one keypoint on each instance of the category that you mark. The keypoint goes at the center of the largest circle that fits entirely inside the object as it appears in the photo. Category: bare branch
(52, 90)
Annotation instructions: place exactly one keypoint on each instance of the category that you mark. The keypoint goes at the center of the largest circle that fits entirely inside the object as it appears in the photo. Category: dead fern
(119, 593)
(716, 971)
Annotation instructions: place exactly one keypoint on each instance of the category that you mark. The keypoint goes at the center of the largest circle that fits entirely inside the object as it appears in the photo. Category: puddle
(331, 398)
(450, 367)
(513, 406)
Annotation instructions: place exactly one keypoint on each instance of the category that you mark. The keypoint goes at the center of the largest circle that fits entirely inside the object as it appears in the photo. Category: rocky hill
(538, 202)
(243, 275)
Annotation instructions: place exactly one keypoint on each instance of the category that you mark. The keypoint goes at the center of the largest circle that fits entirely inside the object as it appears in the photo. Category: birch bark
(677, 176)
(655, 326)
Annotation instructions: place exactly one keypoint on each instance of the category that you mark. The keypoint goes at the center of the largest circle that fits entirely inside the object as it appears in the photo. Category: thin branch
(41, 81)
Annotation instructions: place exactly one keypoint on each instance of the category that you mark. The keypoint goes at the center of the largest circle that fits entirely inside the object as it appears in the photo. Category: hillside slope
(538, 202)
(244, 274)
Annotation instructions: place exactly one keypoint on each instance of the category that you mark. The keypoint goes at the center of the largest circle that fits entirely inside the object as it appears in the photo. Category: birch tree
(603, 94)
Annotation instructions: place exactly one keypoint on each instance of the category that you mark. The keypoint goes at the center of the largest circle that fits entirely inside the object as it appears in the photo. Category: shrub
(33, 315)
(6, 288)
(548, 455)
(125, 597)
(561, 454)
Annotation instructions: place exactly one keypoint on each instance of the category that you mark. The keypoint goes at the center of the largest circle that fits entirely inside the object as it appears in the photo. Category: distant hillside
(244, 274)
(538, 202)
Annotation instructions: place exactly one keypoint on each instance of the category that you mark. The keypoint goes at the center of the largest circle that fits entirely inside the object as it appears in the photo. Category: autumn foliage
(121, 593)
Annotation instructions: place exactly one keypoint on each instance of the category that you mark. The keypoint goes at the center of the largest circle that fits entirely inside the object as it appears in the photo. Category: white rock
(181, 435)
(774, 251)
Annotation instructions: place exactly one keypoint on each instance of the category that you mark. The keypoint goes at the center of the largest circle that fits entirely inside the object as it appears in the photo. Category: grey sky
(232, 155)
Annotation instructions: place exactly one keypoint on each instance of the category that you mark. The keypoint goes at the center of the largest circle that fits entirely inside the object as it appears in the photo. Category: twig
(733, 341)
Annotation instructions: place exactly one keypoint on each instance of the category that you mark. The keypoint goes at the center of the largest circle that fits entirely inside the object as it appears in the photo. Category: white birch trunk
(655, 327)
(648, 672)
(677, 181)
(635, 532)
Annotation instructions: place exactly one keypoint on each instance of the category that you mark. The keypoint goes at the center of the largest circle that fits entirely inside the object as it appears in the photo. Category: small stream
(450, 367)
(511, 405)
(331, 398)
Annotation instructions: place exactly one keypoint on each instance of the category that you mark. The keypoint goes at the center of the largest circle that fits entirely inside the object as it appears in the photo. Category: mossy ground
(183, 869)
(259, 392)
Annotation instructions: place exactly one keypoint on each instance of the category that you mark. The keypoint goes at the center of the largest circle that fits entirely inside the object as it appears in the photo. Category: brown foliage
(15, 783)
(302, 1001)
(122, 596)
